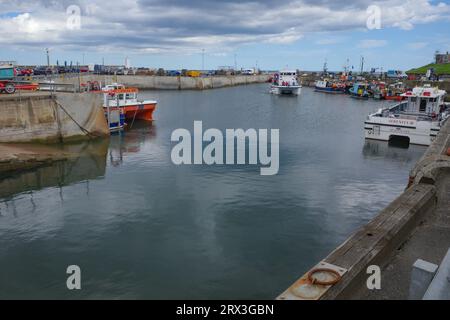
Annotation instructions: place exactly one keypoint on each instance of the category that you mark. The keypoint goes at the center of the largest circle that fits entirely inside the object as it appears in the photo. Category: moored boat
(285, 83)
(394, 92)
(329, 87)
(418, 119)
(359, 91)
(118, 97)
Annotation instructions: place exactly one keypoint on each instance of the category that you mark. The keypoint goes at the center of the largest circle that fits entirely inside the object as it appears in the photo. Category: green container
(6, 73)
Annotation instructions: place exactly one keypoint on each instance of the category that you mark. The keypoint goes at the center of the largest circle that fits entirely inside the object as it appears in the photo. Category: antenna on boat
(347, 66)
(203, 59)
(362, 64)
(325, 68)
(48, 57)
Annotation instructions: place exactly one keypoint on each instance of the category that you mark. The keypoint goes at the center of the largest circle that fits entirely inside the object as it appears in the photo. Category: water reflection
(130, 141)
(89, 164)
(374, 149)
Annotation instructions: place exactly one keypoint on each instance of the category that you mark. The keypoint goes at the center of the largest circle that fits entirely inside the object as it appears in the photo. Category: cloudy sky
(269, 34)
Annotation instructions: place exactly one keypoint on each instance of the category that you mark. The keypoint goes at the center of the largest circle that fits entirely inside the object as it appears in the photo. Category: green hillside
(438, 69)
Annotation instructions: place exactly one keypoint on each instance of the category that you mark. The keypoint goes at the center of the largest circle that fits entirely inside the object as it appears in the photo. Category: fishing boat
(285, 83)
(378, 90)
(329, 87)
(118, 98)
(417, 120)
(394, 92)
(359, 91)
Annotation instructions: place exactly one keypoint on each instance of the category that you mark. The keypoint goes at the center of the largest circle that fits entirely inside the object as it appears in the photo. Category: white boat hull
(286, 90)
(418, 132)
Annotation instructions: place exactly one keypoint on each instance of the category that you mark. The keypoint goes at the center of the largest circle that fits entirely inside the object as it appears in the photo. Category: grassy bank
(438, 69)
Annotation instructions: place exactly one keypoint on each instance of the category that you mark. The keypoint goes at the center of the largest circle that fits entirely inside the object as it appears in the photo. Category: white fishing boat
(417, 120)
(285, 82)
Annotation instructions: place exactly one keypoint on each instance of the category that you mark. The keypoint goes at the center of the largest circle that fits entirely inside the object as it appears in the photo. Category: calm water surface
(141, 227)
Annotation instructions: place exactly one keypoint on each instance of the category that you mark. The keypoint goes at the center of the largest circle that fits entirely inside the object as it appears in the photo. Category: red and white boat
(117, 95)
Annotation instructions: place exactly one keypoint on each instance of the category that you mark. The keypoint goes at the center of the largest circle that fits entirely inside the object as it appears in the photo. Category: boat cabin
(287, 78)
(423, 100)
(119, 93)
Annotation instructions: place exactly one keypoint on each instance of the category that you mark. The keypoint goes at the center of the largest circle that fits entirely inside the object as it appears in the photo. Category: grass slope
(438, 69)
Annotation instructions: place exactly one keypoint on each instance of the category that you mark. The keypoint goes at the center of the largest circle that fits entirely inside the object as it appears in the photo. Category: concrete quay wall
(42, 117)
(171, 83)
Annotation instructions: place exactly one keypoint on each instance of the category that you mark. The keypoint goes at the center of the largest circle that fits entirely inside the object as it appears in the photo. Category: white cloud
(370, 43)
(156, 26)
(417, 45)
(329, 41)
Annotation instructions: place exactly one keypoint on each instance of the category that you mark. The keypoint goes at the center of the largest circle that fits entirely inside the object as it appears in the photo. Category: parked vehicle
(24, 72)
(173, 73)
(248, 72)
(38, 71)
(193, 73)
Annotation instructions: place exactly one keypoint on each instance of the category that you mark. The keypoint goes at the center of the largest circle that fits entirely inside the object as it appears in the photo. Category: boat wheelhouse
(285, 82)
(360, 90)
(418, 119)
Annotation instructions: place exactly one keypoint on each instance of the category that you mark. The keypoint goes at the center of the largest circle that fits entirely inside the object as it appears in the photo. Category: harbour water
(141, 227)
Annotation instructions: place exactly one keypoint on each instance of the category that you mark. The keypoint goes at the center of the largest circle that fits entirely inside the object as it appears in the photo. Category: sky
(270, 35)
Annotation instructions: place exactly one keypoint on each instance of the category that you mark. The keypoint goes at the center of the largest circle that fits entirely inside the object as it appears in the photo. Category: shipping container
(7, 72)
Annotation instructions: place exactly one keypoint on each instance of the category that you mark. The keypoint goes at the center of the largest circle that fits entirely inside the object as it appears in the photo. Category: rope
(84, 130)
(134, 117)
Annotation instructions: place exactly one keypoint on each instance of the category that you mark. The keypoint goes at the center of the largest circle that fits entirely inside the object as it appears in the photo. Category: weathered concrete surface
(172, 83)
(421, 275)
(429, 241)
(439, 288)
(42, 117)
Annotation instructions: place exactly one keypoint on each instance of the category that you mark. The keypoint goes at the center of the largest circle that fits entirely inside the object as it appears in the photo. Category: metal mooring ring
(324, 283)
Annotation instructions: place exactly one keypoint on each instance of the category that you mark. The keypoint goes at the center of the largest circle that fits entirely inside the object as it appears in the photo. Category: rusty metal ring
(324, 283)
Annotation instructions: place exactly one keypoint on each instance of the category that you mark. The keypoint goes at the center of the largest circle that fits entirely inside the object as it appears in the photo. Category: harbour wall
(171, 83)
(49, 118)
(379, 240)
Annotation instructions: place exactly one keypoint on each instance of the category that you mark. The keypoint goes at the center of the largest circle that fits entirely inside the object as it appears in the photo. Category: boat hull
(394, 98)
(329, 90)
(286, 90)
(418, 132)
(140, 112)
(359, 97)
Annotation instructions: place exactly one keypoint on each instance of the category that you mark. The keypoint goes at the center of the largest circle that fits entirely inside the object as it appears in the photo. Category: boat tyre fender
(337, 276)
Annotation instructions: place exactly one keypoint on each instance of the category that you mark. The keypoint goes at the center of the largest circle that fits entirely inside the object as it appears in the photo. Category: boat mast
(325, 68)
(362, 65)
